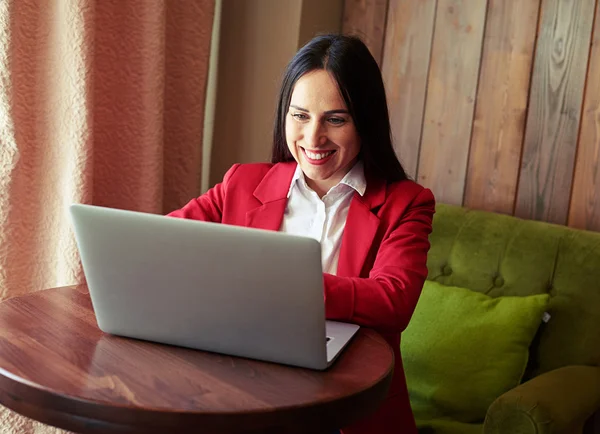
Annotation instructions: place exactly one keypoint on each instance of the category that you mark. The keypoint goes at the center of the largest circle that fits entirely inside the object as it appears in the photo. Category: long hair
(360, 83)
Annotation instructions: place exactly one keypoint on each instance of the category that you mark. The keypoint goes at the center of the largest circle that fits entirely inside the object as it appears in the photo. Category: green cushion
(500, 255)
(463, 349)
(443, 426)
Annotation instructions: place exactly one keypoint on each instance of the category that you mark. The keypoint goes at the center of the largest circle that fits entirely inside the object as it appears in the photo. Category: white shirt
(322, 219)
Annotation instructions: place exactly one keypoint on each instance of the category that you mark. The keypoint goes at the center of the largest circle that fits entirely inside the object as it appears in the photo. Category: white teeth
(319, 156)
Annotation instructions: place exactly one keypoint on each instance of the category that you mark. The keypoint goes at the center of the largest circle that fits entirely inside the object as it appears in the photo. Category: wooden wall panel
(554, 110)
(585, 202)
(452, 85)
(494, 104)
(366, 18)
(501, 107)
(407, 47)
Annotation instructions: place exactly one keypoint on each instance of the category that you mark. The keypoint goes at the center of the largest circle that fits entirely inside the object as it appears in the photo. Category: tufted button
(498, 281)
(446, 270)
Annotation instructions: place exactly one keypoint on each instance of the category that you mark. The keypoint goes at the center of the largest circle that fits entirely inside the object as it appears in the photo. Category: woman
(334, 176)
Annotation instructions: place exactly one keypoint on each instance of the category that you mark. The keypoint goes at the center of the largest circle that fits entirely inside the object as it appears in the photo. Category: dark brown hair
(359, 79)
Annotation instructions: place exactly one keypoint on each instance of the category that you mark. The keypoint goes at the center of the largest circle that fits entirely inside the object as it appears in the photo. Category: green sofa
(505, 257)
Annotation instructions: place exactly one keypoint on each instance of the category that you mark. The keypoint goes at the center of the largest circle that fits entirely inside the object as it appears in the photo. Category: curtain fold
(102, 102)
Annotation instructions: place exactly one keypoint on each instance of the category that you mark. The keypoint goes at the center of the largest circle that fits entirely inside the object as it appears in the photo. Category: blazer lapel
(360, 230)
(272, 195)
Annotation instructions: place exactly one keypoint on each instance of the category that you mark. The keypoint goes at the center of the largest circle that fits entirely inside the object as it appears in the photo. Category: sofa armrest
(558, 401)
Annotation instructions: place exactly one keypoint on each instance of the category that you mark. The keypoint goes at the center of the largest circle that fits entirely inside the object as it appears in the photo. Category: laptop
(227, 289)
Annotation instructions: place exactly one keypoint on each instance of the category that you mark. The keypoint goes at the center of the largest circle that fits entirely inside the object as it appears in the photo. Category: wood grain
(556, 95)
(366, 18)
(584, 211)
(501, 106)
(406, 53)
(452, 85)
(57, 367)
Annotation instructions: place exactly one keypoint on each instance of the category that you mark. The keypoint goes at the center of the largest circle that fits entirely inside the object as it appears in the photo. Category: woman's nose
(315, 136)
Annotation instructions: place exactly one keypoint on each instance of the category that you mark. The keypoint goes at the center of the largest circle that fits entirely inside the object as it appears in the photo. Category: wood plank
(407, 47)
(501, 106)
(366, 18)
(584, 212)
(554, 110)
(452, 85)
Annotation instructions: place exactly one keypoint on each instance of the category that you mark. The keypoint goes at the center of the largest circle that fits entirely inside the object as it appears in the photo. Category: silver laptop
(227, 289)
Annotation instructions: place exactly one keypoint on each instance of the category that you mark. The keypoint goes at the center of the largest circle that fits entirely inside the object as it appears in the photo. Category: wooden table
(57, 367)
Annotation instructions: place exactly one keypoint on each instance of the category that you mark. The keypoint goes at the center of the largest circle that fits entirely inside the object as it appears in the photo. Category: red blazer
(382, 262)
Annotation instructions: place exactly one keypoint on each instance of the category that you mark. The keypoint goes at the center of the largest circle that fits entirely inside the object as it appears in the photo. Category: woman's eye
(336, 121)
(300, 116)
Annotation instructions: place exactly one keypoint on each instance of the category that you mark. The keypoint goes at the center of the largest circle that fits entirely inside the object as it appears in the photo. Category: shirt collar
(355, 178)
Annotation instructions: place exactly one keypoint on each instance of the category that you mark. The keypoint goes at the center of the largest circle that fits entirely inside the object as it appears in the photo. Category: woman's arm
(209, 206)
(388, 297)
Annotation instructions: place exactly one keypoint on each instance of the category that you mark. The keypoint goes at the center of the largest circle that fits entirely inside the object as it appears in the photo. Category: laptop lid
(228, 289)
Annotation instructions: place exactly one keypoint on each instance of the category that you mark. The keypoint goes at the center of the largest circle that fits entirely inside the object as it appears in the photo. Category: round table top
(58, 367)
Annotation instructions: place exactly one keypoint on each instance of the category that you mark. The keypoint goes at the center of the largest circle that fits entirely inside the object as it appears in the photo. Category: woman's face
(320, 132)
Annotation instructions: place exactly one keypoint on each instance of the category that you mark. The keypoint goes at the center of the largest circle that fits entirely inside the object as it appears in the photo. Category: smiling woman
(334, 89)
(334, 176)
(320, 133)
